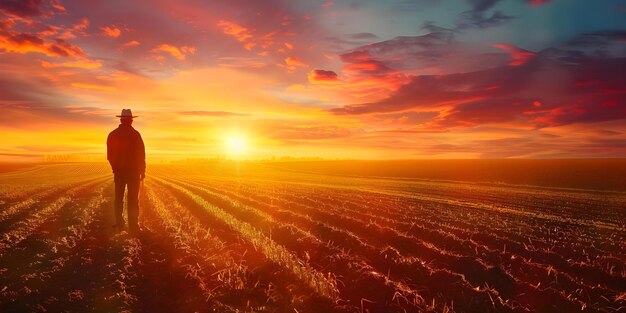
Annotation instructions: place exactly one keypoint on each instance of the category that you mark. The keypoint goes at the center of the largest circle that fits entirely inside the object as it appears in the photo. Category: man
(127, 156)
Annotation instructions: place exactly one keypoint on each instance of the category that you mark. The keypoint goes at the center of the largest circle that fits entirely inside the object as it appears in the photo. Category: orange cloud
(26, 43)
(94, 87)
(178, 52)
(111, 31)
(292, 63)
(84, 64)
(240, 62)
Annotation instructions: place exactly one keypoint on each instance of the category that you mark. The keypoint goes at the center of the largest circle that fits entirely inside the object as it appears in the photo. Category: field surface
(225, 237)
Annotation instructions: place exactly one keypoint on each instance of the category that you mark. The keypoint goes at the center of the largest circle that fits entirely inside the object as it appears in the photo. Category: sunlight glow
(236, 145)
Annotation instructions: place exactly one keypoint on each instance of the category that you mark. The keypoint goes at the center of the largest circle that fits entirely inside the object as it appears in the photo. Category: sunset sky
(334, 79)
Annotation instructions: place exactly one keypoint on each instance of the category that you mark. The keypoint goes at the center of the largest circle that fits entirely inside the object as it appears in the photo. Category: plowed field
(223, 238)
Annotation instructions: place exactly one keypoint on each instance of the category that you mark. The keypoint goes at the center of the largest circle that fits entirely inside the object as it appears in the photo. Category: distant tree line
(64, 158)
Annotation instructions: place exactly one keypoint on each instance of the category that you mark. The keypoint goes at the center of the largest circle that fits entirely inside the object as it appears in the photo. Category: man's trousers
(122, 180)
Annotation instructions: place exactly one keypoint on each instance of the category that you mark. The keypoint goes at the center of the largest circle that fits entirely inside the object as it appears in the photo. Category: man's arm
(111, 150)
(142, 157)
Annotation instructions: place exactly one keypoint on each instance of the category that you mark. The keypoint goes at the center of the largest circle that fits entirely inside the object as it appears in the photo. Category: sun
(236, 145)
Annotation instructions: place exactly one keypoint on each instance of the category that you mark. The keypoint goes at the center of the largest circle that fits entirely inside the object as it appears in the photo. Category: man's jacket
(125, 151)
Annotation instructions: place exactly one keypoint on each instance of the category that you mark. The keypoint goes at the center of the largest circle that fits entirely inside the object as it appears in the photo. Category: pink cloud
(72, 32)
(242, 34)
(537, 2)
(519, 56)
(275, 41)
(130, 44)
(57, 5)
(368, 77)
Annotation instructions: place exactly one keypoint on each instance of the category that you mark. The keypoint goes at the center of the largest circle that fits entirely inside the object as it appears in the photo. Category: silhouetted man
(127, 156)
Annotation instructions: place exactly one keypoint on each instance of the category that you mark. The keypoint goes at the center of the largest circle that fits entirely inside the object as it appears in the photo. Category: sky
(371, 79)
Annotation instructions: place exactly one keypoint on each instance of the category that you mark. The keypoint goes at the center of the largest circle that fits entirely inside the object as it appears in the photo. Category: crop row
(347, 261)
(342, 218)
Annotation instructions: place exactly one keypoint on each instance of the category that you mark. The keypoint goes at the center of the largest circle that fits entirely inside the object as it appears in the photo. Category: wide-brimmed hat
(126, 113)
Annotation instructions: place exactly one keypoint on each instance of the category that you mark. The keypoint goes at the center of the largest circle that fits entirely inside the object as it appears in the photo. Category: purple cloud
(21, 8)
(581, 81)
(433, 53)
